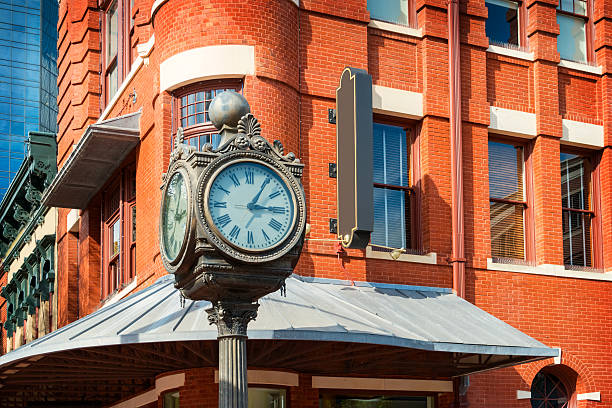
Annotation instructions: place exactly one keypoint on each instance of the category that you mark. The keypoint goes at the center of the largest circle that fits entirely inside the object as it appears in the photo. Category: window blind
(392, 193)
(507, 200)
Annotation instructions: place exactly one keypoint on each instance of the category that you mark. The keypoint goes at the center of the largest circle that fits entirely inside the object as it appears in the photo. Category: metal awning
(94, 159)
(321, 326)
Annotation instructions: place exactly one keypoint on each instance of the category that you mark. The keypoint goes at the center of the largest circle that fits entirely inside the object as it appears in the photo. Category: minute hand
(276, 210)
(251, 205)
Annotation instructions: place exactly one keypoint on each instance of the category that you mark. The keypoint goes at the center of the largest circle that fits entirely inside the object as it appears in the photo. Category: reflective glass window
(502, 26)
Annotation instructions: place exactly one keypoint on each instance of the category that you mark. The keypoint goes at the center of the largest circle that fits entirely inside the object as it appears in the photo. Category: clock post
(232, 227)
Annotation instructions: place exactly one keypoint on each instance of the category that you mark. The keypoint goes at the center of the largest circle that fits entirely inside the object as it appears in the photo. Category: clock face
(174, 215)
(251, 206)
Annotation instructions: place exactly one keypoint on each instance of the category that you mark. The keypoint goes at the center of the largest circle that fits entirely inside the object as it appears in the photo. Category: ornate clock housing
(232, 219)
(176, 216)
(251, 206)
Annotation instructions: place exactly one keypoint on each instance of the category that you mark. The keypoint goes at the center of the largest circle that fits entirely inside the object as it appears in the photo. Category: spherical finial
(227, 108)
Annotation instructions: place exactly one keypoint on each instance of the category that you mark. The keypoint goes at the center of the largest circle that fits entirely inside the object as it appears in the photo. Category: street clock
(232, 219)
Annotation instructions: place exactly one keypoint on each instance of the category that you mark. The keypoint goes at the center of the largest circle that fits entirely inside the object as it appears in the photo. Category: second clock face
(174, 215)
(251, 206)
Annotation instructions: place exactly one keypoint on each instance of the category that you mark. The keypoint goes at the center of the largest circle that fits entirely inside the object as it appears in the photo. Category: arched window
(547, 391)
(190, 107)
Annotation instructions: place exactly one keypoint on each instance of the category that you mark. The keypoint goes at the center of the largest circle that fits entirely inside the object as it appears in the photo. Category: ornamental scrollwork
(33, 195)
(21, 215)
(9, 231)
(249, 138)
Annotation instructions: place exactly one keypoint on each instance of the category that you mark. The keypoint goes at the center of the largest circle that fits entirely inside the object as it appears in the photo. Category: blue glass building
(28, 78)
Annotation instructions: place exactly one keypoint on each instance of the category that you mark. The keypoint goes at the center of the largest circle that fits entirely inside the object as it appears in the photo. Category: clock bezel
(218, 240)
(172, 265)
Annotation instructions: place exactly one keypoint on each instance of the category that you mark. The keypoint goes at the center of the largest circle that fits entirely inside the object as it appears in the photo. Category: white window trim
(122, 293)
(578, 66)
(512, 122)
(430, 258)
(582, 134)
(509, 52)
(396, 28)
(548, 270)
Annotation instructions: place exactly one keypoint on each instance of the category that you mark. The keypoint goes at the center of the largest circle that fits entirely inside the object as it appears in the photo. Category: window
(171, 400)
(574, 42)
(192, 104)
(267, 397)
(116, 45)
(393, 192)
(507, 201)
(393, 11)
(373, 401)
(119, 233)
(503, 25)
(547, 391)
(576, 209)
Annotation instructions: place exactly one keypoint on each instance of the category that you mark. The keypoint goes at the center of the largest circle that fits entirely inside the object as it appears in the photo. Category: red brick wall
(300, 54)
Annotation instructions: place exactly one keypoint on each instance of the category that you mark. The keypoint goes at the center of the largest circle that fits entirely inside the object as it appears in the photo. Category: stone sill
(396, 28)
(508, 52)
(581, 67)
(548, 270)
(430, 258)
(117, 296)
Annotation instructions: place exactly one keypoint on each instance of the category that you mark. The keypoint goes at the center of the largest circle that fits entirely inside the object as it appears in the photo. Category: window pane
(112, 33)
(502, 25)
(571, 42)
(378, 401)
(390, 211)
(267, 398)
(390, 155)
(507, 231)
(505, 171)
(580, 7)
(112, 82)
(394, 11)
(574, 182)
(566, 5)
(115, 237)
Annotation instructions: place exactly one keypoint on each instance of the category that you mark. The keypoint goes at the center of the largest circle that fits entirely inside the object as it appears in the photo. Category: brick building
(493, 175)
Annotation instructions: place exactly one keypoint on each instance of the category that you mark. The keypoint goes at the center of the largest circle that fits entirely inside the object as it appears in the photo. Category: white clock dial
(174, 216)
(251, 206)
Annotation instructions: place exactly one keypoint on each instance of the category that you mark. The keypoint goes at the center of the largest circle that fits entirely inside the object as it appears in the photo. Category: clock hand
(276, 210)
(254, 200)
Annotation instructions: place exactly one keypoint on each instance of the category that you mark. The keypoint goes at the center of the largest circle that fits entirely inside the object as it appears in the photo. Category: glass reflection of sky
(502, 26)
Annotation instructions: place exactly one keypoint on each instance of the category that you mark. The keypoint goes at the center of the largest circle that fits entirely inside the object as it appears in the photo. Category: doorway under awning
(323, 327)
(98, 154)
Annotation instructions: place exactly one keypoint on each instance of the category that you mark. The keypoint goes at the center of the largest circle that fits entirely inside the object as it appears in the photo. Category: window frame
(411, 14)
(589, 29)
(522, 25)
(199, 129)
(123, 59)
(125, 259)
(412, 194)
(594, 204)
(529, 250)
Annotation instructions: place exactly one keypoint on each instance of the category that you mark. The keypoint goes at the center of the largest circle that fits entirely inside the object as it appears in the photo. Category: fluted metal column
(232, 320)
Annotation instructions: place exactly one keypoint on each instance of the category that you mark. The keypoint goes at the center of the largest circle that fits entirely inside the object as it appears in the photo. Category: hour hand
(275, 210)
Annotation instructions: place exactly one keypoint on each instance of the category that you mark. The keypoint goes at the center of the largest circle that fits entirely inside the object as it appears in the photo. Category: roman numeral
(234, 179)
(266, 237)
(249, 176)
(234, 232)
(224, 220)
(274, 194)
(220, 204)
(222, 189)
(277, 210)
(275, 224)
(249, 237)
